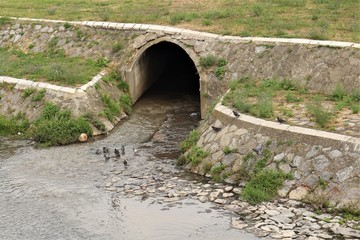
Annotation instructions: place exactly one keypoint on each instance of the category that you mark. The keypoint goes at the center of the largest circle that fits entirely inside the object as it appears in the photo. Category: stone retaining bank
(191, 34)
(325, 166)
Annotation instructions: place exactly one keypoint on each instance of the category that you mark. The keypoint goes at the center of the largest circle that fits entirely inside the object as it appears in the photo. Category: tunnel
(165, 66)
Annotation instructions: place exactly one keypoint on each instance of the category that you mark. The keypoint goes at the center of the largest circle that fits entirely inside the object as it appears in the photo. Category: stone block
(156, 28)
(112, 25)
(144, 27)
(23, 84)
(53, 87)
(340, 44)
(2, 79)
(173, 30)
(42, 85)
(67, 90)
(128, 26)
(90, 23)
(119, 25)
(11, 80)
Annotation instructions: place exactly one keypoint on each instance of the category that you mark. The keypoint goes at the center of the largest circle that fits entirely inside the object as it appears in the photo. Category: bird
(106, 157)
(236, 114)
(258, 149)
(123, 150)
(97, 151)
(125, 162)
(216, 129)
(280, 120)
(117, 153)
(195, 114)
(105, 150)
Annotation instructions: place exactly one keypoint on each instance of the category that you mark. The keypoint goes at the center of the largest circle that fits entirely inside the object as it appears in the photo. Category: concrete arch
(155, 58)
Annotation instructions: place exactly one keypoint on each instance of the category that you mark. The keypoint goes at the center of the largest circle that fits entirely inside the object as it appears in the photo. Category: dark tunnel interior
(170, 69)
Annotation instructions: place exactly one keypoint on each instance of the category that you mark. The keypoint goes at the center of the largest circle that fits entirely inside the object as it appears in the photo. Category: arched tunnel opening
(165, 68)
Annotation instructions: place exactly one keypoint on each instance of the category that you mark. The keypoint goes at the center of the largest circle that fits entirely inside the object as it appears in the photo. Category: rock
(272, 212)
(321, 162)
(344, 174)
(220, 201)
(281, 219)
(279, 157)
(83, 137)
(335, 154)
(270, 228)
(115, 179)
(203, 199)
(298, 193)
(227, 195)
(213, 195)
(346, 232)
(228, 189)
(313, 151)
(236, 223)
(296, 161)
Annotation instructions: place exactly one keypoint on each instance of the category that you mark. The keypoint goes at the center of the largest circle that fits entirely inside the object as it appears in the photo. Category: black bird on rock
(97, 151)
(123, 150)
(105, 150)
(216, 129)
(280, 120)
(258, 149)
(107, 157)
(236, 114)
(117, 153)
(125, 162)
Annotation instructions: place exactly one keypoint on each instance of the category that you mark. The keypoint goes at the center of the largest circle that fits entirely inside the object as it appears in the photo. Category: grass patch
(298, 18)
(227, 150)
(91, 118)
(321, 116)
(263, 186)
(195, 155)
(13, 125)
(58, 127)
(38, 96)
(111, 107)
(51, 66)
(190, 141)
(217, 174)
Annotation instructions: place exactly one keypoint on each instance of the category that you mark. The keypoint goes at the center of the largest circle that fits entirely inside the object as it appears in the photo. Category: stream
(70, 192)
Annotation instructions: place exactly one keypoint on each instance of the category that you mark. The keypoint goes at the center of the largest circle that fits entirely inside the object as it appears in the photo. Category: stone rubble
(280, 219)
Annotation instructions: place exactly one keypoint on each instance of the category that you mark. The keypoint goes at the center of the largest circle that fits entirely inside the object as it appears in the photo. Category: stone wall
(325, 166)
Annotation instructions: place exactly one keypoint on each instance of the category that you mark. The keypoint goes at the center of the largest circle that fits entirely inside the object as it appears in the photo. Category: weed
(51, 11)
(208, 61)
(216, 173)
(58, 127)
(91, 118)
(323, 183)
(5, 20)
(227, 150)
(220, 72)
(102, 62)
(111, 108)
(38, 96)
(355, 108)
(67, 25)
(13, 125)
(105, 14)
(182, 160)
(291, 98)
(338, 93)
(207, 167)
(263, 186)
(195, 155)
(31, 46)
(321, 116)
(190, 141)
(126, 103)
(27, 92)
(117, 48)
(257, 10)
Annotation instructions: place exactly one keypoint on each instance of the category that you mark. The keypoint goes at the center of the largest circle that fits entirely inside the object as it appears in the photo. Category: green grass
(195, 155)
(263, 186)
(217, 173)
(190, 141)
(284, 18)
(13, 125)
(58, 127)
(52, 66)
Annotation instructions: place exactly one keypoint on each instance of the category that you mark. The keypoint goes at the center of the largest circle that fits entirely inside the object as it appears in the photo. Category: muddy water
(61, 193)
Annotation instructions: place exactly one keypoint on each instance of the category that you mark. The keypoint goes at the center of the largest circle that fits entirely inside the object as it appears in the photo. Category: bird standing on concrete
(216, 129)
(123, 150)
(107, 157)
(125, 162)
(280, 120)
(105, 150)
(117, 153)
(236, 114)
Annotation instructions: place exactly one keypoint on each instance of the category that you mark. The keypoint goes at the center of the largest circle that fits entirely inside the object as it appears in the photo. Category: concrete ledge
(285, 131)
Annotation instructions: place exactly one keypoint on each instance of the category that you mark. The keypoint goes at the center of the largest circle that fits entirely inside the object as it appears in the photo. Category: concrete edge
(285, 130)
(201, 35)
(24, 83)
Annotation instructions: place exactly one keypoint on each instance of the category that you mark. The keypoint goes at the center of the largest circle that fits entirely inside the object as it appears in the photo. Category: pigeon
(216, 129)
(280, 120)
(123, 150)
(106, 157)
(236, 114)
(258, 149)
(97, 151)
(125, 162)
(117, 153)
(105, 150)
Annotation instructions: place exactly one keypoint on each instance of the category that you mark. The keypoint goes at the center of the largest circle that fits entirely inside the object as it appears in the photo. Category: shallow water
(59, 193)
